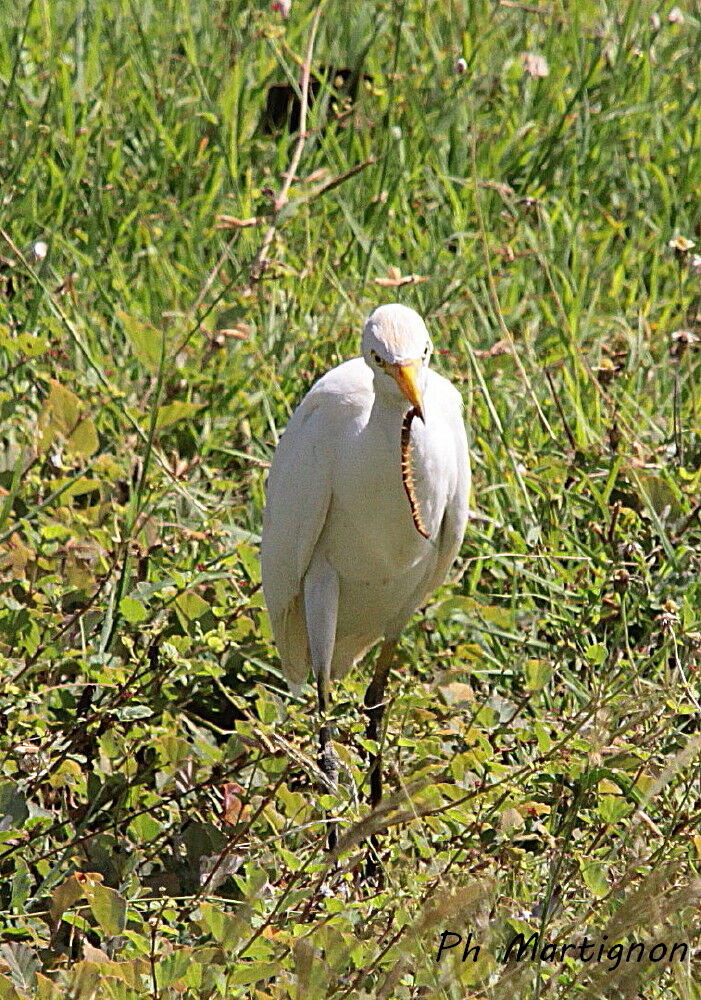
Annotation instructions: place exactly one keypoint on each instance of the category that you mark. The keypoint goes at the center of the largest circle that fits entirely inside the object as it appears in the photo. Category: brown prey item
(407, 474)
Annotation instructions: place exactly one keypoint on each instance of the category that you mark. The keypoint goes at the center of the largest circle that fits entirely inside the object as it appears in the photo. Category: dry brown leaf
(395, 279)
(231, 222)
(235, 811)
(317, 175)
(500, 347)
(238, 332)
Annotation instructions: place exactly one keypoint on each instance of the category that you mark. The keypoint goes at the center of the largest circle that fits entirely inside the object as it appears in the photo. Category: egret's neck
(388, 396)
(390, 404)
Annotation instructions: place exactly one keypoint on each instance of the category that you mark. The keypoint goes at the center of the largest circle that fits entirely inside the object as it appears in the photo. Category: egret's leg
(375, 707)
(321, 613)
(328, 761)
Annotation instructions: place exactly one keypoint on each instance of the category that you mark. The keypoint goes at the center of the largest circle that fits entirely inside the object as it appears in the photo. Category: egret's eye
(377, 359)
(427, 350)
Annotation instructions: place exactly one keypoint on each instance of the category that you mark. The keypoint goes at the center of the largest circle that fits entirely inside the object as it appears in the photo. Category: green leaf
(254, 972)
(173, 967)
(145, 828)
(66, 894)
(172, 412)
(594, 876)
(13, 807)
(62, 407)
(192, 605)
(83, 441)
(538, 673)
(251, 562)
(596, 654)
(21, 885)
(132, 610)
(227, 929)
(85, 979)
(22, 961)
(46, 989)
(108, 908)
(267, 710)
(60, 415)
(130, 713)
(8, 991)
(145, 339)
(613, 808)
(79, 487)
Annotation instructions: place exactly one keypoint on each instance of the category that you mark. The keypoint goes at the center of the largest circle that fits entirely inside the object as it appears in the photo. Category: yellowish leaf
(83, 441)
(511, 819)
(144, 338)
(69, 892)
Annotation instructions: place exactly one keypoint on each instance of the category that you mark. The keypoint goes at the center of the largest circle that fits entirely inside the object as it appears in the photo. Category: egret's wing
(297, 501)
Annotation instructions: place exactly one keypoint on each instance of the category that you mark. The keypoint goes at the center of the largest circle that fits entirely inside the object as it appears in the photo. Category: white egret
(365, 513)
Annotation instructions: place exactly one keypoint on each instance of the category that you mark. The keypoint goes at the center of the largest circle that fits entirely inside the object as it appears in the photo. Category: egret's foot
(328, 765)
(328, 761)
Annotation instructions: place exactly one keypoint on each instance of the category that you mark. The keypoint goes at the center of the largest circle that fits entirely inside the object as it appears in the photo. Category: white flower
(460, 66)
(675, 16)
(534, 65)
(39, 250)
(655, 22)
(683, 341)
(681, 244)
(685, 338)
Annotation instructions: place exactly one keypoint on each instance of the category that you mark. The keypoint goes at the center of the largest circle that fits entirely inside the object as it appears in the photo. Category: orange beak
(406, 375)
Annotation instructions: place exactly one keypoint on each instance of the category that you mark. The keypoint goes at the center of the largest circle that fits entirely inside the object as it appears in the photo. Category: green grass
(543, 743)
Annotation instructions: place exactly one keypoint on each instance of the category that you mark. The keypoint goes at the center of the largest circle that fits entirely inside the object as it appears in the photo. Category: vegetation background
(178, 266)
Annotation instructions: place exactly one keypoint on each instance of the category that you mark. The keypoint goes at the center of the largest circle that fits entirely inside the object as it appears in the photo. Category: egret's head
(397, 347)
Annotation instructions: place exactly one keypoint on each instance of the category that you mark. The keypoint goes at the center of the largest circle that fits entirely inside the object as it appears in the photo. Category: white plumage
(343, 563)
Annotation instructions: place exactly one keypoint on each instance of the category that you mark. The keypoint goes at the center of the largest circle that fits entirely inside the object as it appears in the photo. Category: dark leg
(375, 707)
(328, 761)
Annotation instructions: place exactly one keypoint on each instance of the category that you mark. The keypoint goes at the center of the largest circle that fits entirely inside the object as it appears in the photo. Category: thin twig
(493, 296)
(213, 274)
(334, 183)
(558, 404)
(261, 259)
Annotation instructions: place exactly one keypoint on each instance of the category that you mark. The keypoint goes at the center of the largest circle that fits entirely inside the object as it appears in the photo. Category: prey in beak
(406, 375)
